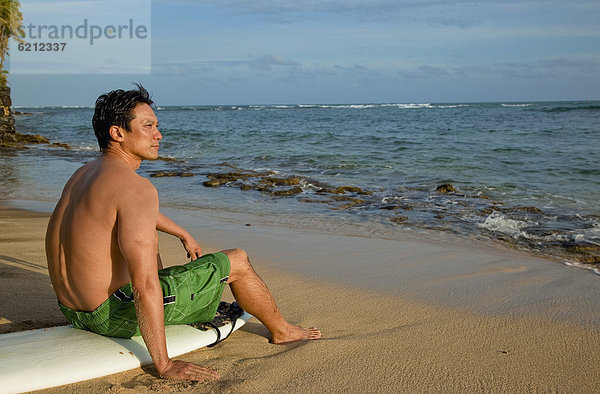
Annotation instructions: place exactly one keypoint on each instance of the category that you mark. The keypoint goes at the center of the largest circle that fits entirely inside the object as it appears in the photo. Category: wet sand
(427, 315)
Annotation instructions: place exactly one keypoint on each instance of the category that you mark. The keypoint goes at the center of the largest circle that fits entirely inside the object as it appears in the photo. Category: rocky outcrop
(446, 188)
(7, 121)
(18, 141)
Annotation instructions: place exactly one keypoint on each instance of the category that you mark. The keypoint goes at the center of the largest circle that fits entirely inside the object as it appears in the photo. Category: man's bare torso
(84, 259)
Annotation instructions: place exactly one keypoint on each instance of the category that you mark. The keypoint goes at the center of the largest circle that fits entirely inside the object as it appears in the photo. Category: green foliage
(11, 21)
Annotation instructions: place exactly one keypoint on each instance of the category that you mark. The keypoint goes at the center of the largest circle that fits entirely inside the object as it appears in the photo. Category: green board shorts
(191, 294)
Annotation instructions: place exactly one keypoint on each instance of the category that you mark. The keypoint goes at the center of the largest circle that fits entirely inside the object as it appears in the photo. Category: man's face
(143, 138)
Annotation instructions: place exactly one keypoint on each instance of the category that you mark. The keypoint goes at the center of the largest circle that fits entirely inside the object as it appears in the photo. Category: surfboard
(49, 357)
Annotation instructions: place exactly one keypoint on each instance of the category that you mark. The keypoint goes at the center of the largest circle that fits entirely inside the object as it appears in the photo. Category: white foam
(517, 105)
(308, 187)
(453, 106)
(497, 222)
(409, 106)
(87, 148)
(350, 106)
(583, 266)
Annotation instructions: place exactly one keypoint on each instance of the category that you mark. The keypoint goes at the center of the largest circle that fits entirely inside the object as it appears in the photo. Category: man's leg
(254, 297)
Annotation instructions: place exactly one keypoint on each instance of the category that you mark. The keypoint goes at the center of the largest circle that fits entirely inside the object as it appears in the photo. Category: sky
(213, 52)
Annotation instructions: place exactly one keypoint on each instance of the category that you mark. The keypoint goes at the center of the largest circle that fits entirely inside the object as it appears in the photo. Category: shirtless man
(102, 248)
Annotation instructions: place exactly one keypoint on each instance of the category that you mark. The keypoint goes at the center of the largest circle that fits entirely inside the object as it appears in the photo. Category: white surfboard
(49, 357)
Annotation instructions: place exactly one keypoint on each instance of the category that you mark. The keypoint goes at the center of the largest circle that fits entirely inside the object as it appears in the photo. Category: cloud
(285, 11)
(535, 69)
(424, 72)
(187, 68)
(553, 67)
(582, 65)
(265, 62)
(350, 75)
(462, 22)
(261, 62)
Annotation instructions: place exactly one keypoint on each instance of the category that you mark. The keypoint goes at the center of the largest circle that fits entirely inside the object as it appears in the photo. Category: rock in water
(445, 188)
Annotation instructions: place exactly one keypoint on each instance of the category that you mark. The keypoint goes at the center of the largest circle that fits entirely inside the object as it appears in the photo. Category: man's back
(84, 259)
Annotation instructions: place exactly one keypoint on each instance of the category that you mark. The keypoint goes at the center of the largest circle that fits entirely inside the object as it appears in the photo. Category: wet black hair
(115, 108)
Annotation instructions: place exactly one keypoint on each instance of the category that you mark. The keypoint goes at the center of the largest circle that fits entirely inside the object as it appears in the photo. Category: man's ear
(116, 133)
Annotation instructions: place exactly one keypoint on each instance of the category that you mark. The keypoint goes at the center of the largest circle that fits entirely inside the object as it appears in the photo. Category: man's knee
(240, 264)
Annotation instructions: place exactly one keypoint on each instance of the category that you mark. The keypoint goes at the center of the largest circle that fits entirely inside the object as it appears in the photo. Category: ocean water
(524, 174)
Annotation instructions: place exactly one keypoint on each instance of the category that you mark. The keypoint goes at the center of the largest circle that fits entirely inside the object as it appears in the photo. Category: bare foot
(176, 369)
(295, 333)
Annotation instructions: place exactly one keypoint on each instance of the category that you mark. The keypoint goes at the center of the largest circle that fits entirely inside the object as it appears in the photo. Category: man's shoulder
(123, 184)
(135, 185)
(123, 177)
(137, 196)
(136, 180)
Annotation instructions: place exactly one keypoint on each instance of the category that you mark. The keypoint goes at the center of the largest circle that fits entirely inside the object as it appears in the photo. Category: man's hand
(194, 251)
(176, 369)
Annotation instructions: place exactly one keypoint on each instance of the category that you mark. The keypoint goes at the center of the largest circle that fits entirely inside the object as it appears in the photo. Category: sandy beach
(420, 314)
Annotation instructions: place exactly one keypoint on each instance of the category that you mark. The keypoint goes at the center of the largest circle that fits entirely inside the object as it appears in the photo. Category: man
(102, 248)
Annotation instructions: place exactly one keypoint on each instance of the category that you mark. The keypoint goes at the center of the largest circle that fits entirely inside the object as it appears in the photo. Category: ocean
(526, 175)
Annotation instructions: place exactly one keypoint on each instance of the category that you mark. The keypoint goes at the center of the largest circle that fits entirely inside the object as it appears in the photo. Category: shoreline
(437, 268)
(391, 188)
(409, 315)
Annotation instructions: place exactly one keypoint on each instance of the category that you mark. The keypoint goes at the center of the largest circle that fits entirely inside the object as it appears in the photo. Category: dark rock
(350, 201)
(219, 179)
(11, 145)
(262, 189)
(445, 188)
(214, 182)
(314, 200)
(525, 209)
(5, 100)
(168, 159)
(496, 208)
(405, 207)
(489, 210)
(158, 174)
(348, 198)
(343, 207)
(350, 189)
(399, 219)
(33, 139)
(60, 145)
(587, 253)
(7, 121)
(18, 140)
(273, 181)
(287, 192)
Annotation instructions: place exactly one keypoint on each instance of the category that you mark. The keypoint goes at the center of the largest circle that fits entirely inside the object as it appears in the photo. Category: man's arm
(137, 218)
(168, 226)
